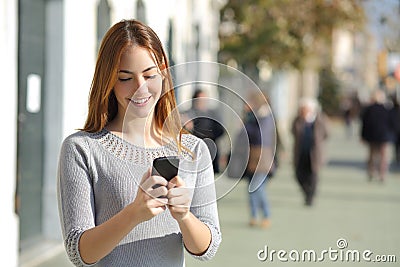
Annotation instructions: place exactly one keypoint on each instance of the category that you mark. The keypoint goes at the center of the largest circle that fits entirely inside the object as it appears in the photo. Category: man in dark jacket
(309, 130)
(376, 132)
(206, 124)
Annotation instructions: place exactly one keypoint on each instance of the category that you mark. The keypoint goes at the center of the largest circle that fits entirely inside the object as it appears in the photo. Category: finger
(181, 201)
(157, 202)
(145, 176)
(177, 191)
(170, 185)
(160, 209)
(153, 180)
(177, 181)
(158, 192)
(157, 209)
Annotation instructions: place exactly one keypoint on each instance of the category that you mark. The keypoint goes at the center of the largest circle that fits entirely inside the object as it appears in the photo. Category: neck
(137, 131)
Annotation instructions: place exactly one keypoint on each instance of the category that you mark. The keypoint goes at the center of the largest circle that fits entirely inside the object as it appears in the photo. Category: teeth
(140, 101)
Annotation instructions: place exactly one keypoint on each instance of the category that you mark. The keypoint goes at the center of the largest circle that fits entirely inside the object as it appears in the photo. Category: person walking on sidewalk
(309, 129)
(376, 132)
(112, 210)
(260, 127)
(395, 118)
(205, 123)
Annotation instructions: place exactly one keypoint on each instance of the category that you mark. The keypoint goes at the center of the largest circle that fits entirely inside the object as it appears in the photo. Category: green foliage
(329, 97)
(283, 32)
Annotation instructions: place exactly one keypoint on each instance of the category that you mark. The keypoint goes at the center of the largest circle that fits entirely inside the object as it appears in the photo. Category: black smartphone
(166, 167)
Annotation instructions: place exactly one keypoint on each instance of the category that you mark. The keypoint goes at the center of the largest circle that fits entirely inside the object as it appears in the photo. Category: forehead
(136, 59)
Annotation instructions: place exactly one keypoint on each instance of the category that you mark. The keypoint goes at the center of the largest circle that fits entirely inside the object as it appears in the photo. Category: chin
(138, 113)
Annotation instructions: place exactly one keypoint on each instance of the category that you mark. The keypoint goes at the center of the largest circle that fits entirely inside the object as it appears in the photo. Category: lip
(140, 101)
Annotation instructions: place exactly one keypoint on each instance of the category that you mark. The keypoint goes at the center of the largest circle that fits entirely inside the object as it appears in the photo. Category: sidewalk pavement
(351, 217)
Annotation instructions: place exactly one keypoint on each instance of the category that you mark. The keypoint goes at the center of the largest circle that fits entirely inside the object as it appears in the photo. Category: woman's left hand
(179, 198)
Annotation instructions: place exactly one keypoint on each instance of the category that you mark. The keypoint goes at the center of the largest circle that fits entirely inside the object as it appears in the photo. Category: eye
(124, 79)
(150, 76)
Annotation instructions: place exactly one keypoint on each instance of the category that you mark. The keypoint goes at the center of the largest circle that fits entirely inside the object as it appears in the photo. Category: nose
(140, 85)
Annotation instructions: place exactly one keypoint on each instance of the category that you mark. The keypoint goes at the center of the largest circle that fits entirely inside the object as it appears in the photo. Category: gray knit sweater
(98, 175)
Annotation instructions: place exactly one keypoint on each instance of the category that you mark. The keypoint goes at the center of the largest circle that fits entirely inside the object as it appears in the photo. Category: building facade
(8, 70)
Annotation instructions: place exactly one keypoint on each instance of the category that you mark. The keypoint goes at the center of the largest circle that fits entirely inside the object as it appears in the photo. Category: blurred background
(337, 51)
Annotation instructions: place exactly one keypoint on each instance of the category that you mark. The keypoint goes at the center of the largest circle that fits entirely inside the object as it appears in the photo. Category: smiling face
(139, 83)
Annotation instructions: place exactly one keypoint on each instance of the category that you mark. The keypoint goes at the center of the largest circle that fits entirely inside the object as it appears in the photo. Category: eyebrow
(130, 72)
(149, 68)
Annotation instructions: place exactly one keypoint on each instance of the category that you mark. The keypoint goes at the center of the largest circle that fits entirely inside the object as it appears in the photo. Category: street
(352, 220)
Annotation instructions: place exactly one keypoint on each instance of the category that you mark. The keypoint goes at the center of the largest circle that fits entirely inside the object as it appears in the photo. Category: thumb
(145, 176)
(177, 181)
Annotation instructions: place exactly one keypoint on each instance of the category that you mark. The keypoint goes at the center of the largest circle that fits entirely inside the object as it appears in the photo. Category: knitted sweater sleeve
(75, 195)
(204, 202)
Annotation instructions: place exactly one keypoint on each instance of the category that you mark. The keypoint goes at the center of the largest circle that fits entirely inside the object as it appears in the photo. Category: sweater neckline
(120, 140)
(130, 152)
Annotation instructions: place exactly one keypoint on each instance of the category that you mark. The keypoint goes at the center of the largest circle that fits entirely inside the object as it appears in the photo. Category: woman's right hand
(149, 202)
(99, 241)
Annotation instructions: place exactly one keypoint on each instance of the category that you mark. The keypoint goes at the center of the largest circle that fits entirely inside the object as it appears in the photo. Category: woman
(260, 129)
(112, 214)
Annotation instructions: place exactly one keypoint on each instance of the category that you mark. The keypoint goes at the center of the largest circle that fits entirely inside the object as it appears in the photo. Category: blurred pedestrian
(395, 118)
(376, 132)
(112, 211)
(350, 107)
(346, 109)
(260, 127)
(206, 124)
(309, 129)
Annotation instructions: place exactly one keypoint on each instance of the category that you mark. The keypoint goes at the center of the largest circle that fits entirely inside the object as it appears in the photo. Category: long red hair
(103, 105)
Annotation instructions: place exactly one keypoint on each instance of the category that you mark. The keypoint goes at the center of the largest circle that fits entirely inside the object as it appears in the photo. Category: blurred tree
(329, 92)
(285, 33)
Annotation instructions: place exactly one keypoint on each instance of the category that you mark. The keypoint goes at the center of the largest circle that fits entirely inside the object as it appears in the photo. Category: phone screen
(166, 167)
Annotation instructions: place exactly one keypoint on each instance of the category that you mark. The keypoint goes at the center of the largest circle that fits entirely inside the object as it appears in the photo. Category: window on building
(103, 20)
(141, 11)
